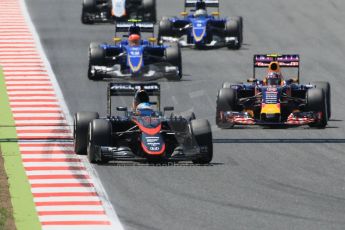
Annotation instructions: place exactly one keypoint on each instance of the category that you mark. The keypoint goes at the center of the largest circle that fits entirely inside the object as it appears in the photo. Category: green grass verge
(24, 211)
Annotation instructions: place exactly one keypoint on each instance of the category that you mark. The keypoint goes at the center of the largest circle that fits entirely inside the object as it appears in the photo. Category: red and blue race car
(275, 100)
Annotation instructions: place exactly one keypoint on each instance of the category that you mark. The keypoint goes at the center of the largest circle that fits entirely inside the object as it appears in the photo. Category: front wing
(294, 119)
(148, 73)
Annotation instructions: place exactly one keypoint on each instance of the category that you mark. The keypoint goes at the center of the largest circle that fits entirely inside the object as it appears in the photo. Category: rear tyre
(88, 7)
(227, 84)
(174, 57)
(188, 115)
(80, 128)
(99, 134)
(226, 101)
(150, 7)
(202, 133)
(96, 57)
(316, 102)
(165, 28)
(233, 29)
(327, 90)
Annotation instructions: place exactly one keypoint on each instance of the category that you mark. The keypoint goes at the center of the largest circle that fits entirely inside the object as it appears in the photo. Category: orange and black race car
(98, 11)
(142, 133)
(275, 100)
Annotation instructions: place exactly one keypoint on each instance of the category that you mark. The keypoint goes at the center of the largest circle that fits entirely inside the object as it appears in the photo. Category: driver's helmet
(200, 4)
(273, 78)
(134, 39)
(134, 30)
(145, 109)
(200, 13)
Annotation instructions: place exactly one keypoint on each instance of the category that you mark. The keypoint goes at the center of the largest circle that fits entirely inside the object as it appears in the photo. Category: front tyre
(202, 133)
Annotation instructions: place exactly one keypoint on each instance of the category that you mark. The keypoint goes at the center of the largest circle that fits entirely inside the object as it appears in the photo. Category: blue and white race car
(134, 58)
(201, 30)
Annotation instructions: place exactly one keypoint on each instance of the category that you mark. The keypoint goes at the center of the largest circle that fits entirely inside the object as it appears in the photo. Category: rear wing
(209, 3)
(125, 26)
(129, 89)
(284, 60)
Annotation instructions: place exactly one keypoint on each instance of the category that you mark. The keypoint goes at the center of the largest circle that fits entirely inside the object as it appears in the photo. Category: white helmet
(200, 13)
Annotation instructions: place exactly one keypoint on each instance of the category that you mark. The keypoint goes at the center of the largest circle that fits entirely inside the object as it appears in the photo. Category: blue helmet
(145, 109)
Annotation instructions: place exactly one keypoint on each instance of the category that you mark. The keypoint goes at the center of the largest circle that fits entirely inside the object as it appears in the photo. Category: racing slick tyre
(233, 29)
(99, 134)
(227, 84)
(96, 57)
(150, 7)
(94, 45)
(317, 102)
(327, 90)
(164, 28)
(226, 101)
(202, 133)
(174, 57)
(188, 115)
(88, 7)
(80, 128)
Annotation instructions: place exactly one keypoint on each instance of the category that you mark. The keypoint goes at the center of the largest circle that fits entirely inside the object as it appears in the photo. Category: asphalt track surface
(260, 178)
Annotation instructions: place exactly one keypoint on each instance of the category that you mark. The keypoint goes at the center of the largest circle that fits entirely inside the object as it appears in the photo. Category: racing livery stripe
(64, 194)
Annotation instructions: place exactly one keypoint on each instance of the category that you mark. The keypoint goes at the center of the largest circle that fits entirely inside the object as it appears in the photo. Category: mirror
(121, 108)
(116, 39)
(168, 108)
(152, 40)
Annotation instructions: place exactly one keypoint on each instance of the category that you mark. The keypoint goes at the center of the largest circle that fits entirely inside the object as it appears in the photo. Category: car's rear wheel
(99, 134)
(188, 115)
(150, 7)
(80, 128)
(233, 28)
(316, 102)
(96, 57)
(226, 101)
(227, 84)
(327, 90)
(88, 7)
(174, 57)
(202, 133)
(165, 28)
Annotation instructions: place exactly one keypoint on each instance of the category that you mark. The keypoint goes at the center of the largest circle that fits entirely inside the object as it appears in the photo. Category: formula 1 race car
(143, 133)
(198, 29)
(134, 58)
(98, 11)
(274, 101)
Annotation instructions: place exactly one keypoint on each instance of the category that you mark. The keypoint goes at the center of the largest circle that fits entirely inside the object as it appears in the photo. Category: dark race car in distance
(134, 58)
(274, 101)
(202, 30)
(100, 11)
(144, 133)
